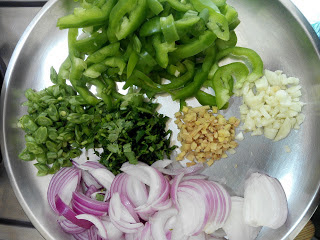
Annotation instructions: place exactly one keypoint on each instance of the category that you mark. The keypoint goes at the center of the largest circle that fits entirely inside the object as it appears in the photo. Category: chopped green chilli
(59, 124)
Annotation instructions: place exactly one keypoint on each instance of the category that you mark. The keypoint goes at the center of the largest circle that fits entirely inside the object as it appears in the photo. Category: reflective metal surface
(275, 29)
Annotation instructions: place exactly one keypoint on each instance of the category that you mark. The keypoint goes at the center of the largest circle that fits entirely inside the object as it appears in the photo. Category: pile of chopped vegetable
(144, 42)
(59, 124)
(157, 202)
(205, 137)
(272, 106)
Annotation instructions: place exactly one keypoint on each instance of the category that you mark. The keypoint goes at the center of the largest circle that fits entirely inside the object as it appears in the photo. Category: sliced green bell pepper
(217, 22)
(200, 77)
(195, 46)
(176, 82)
(97, 69)
(162, 49)
(92, 43)
(169, 29)
(253, 59)
(121, 26)
(107, 51)
(181, 6)
(81, 17)
(223, 81)
(155, 6)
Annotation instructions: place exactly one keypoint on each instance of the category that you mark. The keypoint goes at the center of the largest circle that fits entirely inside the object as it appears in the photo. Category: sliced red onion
(143, 233)
(121, 217)
(99, 172)
(97, 222)
(235, 227)
(161, 163)
(158, 222)
(81, 236)
(174, 168)
(193, 211)
(174, 188)
(137, 191)
(89, 165)
(91, 189)
(66, 211)
(83, 209)
(69, 227)
(203, 206)
(265, 202)
(63, 183)
(198, 176)
(89, 180)
(177, 231)
(159, 186)
(218, 221)
(103, 176)
(89, 202)
(112, 231)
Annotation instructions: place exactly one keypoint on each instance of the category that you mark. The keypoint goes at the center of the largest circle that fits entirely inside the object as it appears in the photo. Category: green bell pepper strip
(186, 23)
(217, 22)
(141, 80)
(146, 62)
(200, 77)
(176, 82)
(89, 3)
(77, 68)
(254, 60)
(205, 99)
(97, 69)
(133, 60)
(155, 6)
(112, 87)
(128, 51)
(195, 46)
(232, 42)
(180, 6)
(162, 50)
(223, 81)
(121, 26)
(234, 24)
(81, 17)
(199, 5)
(219, 3)
(137, 45)
(177, 69)
(230, 13)
(102, 92)
(168, 29)
(182, 104)
(107, 51)
(150, 27)
(92, 43)
(200, 26)
(153, 26)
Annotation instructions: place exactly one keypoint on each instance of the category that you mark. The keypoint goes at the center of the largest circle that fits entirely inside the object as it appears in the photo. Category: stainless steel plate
(275, 29)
